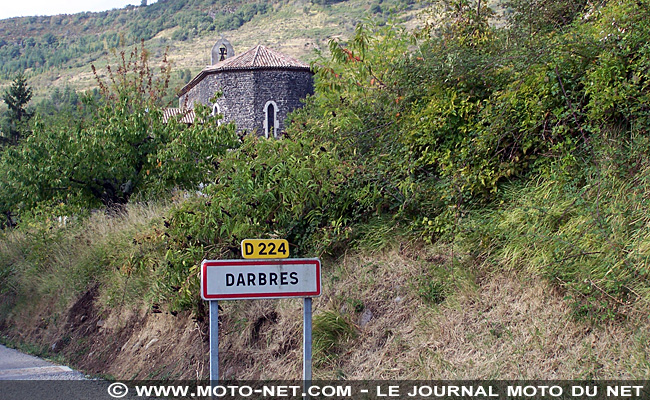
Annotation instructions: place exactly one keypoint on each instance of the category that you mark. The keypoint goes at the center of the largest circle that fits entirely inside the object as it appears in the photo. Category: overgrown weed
(588, 235)
(49, 259)
(331, 331)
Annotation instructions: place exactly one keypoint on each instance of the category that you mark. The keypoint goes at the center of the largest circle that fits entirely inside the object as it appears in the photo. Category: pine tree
(16, 98)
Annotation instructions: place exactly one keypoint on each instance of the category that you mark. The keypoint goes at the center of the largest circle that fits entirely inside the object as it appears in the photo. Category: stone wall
(246, 93)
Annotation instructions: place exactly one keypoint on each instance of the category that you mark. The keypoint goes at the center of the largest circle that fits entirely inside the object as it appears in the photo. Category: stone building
(259, 88)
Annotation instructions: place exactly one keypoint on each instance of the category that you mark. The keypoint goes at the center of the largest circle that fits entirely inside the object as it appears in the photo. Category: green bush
(288, 189)
(531, 149)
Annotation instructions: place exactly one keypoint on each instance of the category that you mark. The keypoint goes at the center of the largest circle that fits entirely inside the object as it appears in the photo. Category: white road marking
(34, 370)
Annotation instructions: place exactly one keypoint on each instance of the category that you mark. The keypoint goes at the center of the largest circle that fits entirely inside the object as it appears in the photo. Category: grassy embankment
(392, 307)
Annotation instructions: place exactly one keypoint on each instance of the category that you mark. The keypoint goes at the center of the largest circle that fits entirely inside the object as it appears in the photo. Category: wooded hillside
(58, 50)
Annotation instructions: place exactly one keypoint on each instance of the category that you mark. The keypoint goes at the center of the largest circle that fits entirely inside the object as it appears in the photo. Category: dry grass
(491, 327)
(56, 262)
(476, 326)
(470, 325)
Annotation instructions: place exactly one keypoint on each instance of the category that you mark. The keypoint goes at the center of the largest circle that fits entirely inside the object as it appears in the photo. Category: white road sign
(259, 279)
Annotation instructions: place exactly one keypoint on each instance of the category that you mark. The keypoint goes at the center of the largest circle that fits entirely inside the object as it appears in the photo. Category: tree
(124, 149)
(17, 97)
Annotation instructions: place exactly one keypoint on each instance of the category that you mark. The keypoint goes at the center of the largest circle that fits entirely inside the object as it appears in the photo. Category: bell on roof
(222, 50)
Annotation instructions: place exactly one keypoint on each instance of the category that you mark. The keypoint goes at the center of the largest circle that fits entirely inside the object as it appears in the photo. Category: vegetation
(330, 329)
(123, 149)
(517, 148)
(16, 98)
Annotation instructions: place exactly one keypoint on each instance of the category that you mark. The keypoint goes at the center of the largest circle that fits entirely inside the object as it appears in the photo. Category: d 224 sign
(265, 248)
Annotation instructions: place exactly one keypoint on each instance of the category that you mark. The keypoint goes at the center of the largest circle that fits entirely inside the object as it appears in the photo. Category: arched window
(271, 123)
(216, 111)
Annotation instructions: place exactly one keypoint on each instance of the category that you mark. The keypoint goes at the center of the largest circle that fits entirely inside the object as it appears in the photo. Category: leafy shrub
(290, 189)
(532, 149)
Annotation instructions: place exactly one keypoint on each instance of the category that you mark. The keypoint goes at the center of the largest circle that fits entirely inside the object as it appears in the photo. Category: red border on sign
(285, 261)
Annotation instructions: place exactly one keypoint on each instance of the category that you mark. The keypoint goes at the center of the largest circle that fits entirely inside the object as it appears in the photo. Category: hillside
(56, 51)
(377, 319)
(477, 192)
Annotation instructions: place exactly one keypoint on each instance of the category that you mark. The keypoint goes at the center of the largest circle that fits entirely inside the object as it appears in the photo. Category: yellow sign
(265, 248)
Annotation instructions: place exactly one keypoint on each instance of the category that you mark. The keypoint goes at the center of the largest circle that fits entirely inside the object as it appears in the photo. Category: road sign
(260, 279)
(265, 248)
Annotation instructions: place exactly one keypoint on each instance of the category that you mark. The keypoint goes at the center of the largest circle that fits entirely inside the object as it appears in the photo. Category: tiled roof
(259, 57)
(186, 118)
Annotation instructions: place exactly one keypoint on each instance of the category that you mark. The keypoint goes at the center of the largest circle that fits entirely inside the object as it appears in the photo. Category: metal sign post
(306, 344)
(260, 279)
(214, 341)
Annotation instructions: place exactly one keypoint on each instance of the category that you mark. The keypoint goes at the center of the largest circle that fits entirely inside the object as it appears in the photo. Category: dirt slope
(484, 327)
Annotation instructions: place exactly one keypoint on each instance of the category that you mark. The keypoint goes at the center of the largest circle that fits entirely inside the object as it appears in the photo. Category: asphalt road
(15, 365)
(24, 377)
